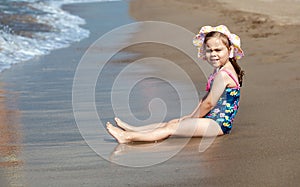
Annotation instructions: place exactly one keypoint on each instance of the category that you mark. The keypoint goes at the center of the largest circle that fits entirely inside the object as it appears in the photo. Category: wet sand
(262, 150)
(10, 141)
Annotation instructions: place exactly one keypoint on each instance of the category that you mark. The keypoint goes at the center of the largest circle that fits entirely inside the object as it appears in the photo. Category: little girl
(216, 111)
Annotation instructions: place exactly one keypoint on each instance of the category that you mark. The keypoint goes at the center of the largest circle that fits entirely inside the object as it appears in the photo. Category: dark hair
(240, 73)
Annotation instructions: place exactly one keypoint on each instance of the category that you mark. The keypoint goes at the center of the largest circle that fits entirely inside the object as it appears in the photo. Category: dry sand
(283, 12)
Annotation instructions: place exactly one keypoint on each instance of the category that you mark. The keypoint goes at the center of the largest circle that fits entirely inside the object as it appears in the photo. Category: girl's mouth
(213, 60)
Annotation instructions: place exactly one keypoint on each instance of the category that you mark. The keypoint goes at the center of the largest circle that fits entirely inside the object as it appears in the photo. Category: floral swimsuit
(227, 106)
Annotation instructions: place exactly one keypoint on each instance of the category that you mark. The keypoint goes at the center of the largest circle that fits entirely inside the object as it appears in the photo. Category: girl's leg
(197, 127)
(131, 136)
(150, 127)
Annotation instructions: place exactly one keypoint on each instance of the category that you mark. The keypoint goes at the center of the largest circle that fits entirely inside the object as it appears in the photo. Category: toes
(117, 120)
(109, 125)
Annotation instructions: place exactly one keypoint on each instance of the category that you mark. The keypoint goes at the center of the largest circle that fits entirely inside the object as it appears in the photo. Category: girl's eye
(215, 50)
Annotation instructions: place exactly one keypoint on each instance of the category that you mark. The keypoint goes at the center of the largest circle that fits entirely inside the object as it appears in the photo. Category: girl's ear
(231, 53)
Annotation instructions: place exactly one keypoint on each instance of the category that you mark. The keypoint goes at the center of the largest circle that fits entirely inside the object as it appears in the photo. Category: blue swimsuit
(227, 106)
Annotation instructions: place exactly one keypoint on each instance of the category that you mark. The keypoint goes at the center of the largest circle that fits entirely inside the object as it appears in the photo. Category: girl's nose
(213, 53)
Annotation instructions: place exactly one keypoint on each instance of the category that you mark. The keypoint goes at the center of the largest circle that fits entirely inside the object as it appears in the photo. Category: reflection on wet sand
(10, 142)
(141, 154)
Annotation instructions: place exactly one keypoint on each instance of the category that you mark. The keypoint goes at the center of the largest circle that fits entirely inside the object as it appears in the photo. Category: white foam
(66, 30)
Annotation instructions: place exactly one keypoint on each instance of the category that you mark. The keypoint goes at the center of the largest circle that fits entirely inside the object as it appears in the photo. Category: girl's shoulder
(228, 71)
(229, 76)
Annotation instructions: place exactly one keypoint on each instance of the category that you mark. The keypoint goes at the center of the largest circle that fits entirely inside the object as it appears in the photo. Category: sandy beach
(44, 147)
(263, 147)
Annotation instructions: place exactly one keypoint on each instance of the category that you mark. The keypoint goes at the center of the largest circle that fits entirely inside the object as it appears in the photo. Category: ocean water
(30, 28)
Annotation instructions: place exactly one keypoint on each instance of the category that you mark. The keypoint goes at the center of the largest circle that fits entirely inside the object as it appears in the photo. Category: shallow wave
(32, 28)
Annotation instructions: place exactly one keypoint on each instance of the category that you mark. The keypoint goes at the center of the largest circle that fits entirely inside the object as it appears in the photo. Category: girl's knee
(174, 121)
(171, 127)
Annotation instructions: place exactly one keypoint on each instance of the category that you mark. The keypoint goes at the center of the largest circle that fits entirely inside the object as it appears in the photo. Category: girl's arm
(211, 99)
(196, 112)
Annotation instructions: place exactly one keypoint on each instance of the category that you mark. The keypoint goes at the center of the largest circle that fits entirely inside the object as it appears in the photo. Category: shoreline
(52, 150)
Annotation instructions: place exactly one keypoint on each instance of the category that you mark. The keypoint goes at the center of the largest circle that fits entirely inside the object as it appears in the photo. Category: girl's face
(216, 52)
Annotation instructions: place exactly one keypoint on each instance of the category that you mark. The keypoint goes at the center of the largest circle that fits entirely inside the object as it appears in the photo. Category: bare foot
(117, 133)
(123, 125)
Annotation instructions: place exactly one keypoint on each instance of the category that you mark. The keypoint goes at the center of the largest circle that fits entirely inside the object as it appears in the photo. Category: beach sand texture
(283, 12)
(268, 111)
(44, 146)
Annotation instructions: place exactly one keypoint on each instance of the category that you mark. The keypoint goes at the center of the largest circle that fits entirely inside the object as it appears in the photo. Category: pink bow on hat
(234, 39)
